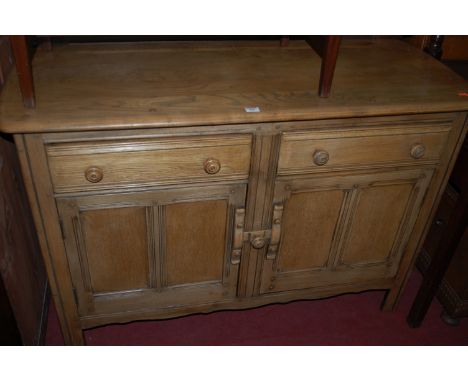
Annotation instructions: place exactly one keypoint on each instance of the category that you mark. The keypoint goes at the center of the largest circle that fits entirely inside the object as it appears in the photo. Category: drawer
(325, 150)
(92, 165)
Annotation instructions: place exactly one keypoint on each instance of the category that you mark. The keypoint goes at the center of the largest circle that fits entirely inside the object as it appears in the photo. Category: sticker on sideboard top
(255, 109)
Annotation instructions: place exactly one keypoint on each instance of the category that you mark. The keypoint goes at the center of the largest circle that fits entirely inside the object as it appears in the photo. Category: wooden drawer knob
(258, 242)
(417, 151)
(321, 157)
(94, 174)
(212, 166)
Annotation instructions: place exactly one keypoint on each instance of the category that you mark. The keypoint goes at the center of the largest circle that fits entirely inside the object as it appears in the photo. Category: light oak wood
(195, 241)
(178, 244)
(118, 86)
(377, 218)
(105, 165)
(40, 194)
(308, 227)
(343, 228)
(228, 304)
(115, 246)
(325, 151)
(156, 195)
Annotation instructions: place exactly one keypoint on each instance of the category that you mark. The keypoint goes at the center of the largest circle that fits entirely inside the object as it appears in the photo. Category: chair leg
(19, 46)
(284, 41)
(329, 56)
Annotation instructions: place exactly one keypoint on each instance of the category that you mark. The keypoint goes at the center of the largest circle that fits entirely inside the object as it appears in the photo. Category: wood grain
(171, 107)
(195, 242)
(308, 226)
(336, 212)
(116, 248)
(347, 149)
(39, 188)
(147, 161)
(377, 218)
(112, 86)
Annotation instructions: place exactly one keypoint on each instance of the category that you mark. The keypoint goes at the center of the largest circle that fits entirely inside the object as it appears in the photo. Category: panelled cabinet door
(341, 229)
(146, 250)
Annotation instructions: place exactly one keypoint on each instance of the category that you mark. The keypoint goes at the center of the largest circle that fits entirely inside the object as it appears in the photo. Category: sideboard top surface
(112, 86)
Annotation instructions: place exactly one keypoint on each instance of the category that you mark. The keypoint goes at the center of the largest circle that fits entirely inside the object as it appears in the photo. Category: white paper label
(255, 109)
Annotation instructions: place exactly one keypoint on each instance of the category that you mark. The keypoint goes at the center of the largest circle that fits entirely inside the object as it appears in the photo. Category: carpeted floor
(353, 319)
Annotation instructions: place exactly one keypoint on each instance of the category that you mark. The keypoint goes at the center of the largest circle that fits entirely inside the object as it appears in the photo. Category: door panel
(195, 236)
(306, 240)
(375, 222)
(142, 250)
(116, 248)
(342, 228)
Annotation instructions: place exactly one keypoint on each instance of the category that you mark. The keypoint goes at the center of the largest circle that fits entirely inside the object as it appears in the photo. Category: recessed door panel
(376, 222)
(153, 249)
(195, 235)
(309, 222)
(116, 241)
(341, 229)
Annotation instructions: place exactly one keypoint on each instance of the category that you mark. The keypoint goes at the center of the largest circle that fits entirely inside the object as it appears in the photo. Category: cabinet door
(341, 229)
(150, 250)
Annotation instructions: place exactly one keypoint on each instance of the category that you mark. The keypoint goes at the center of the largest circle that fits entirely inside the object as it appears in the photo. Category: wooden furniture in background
(23, 65)
(434, 46)
(23, 289)
(446, 48)
(6, 59)
(172, 184)
(21, 267)
(444, 258)
(327, 48)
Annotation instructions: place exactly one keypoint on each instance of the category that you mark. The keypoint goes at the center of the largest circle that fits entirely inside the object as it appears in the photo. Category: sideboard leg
(76, 338)
(390, 300)
(31, 157)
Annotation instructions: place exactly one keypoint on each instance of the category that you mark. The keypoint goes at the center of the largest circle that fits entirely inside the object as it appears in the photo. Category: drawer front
(83, 166)
(341, 149)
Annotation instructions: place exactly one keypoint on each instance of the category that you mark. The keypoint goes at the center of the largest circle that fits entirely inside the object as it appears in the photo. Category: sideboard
(173, 178)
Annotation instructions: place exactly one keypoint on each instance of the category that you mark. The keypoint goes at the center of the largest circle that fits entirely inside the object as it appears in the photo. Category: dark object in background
(22, 272)
(444, 258)
(9, 334)
(23, 282)
(434, 48)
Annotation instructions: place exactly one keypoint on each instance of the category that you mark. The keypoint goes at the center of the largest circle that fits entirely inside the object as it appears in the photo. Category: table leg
(24, 69)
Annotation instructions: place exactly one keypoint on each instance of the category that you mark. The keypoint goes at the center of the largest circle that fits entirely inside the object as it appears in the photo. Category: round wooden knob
(258, 242)
(94, 174)
(417, 151)
(212, 166)
(321, 157)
